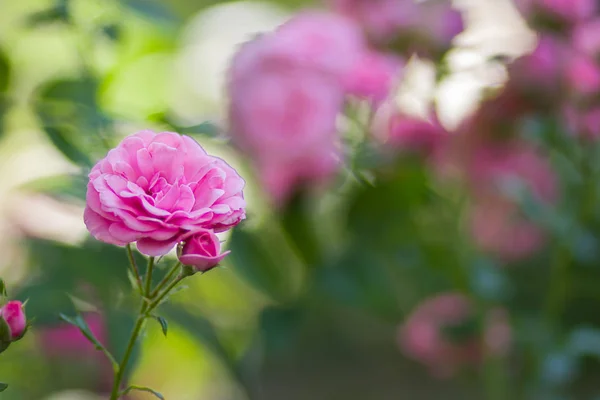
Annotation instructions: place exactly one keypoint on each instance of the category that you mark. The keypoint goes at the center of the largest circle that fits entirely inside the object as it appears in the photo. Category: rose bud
(202, 250)
(14, 316)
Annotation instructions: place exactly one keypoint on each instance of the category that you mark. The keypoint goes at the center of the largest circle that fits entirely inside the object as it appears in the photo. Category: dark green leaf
(80, 323)
(206, 129)
(3, 387)
(59, 138)
(142, 389)
(57, 13)
(5, 336)
(112, 31)
(163, 324)
(3, 292)
(72, 119)
(5, 72)
(151, 9)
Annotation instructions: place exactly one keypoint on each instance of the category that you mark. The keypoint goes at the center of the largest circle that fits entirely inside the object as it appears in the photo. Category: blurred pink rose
(65, 342)
(431, 24)
(154, 188)
(564, 10)
(422, 336)
(286, 91)
(586, 38)
(202, 250)
(12, 312)
(541, 74)
(497, 223)
(409, 133)
(303, 41)
(583, 74)
(374, 76)
(381, 19)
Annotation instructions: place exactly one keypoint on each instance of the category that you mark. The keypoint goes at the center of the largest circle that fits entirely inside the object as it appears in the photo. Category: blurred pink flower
(65, 342)
(432, 24)
(286, 90)
(374, 76)
(381, 19)
(586, 38)
(403, 132)
(583, 74)
(541, 74)
(154, 188)
(202, 250)
(564, 10)
(497, 223)
(14, 315)
(422, 336)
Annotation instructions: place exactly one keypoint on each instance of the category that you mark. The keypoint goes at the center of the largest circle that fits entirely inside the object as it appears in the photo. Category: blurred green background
(309, 303)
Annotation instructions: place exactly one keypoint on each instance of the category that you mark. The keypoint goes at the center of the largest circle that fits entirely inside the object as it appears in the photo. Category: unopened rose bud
(13, 314)
(202, 251)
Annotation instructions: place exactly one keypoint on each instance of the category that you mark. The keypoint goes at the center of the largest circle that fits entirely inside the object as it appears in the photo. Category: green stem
(134, 267)
(164, 293)
(165, 280)
(132, 340)
(149, 276)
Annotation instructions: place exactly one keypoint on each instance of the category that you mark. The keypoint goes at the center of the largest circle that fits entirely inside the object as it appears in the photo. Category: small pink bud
(14, 316)
(202, 251)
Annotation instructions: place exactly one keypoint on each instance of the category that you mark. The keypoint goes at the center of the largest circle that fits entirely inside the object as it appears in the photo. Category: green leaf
(163, 324)
(152, 10)
(111, 31)
(59, 138)
(142, 389)
(205, 128)
(5, 336)
(72, 118)
(3, 292)
(80, 323)
(5, 72)
(58, 13)
(3, 387)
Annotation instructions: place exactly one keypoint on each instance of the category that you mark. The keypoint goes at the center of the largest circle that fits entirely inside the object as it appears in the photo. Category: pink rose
(408, 133)
(381, 19)
(12, 312)
(583, 74)
(586, 38)
(286, 91)
(497, 224)
(202, 250)
(422, 336)
(155, 188)
(374, 76)
(428, 27)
